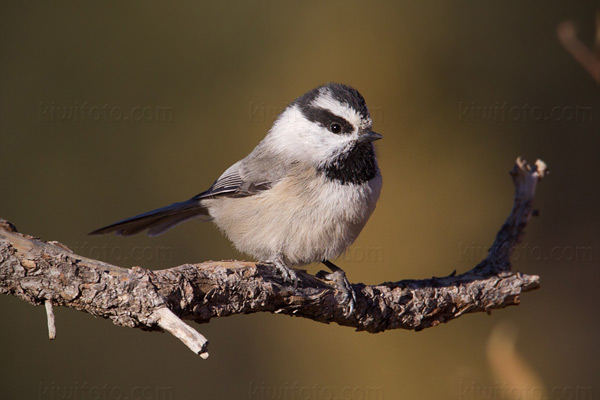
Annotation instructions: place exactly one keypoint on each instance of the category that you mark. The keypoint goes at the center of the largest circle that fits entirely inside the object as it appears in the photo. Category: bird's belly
(302, 222)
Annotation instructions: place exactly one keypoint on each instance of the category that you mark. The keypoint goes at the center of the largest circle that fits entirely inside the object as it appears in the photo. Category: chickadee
(302, 195)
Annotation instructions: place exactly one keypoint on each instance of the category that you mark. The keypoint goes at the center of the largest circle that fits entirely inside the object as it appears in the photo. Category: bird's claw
(287, 273)
(341, 284)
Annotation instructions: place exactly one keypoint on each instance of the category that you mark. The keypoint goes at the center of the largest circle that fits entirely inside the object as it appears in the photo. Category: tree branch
(49, 273)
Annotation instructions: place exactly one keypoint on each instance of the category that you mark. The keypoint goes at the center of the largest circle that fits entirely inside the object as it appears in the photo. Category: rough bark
(49, 273)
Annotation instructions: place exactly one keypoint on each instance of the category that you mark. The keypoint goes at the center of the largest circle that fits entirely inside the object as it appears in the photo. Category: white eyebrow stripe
(326, 101)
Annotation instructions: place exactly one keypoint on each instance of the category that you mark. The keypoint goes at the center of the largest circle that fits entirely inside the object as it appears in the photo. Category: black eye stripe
(325, 118)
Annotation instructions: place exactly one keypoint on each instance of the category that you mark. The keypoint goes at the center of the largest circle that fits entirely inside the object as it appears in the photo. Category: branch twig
(48, 272)
(172, 324)
(588, 59)
(50, 316)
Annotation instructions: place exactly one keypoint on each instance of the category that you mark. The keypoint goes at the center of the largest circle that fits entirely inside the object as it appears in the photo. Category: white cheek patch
(300, 139)
(303, 140)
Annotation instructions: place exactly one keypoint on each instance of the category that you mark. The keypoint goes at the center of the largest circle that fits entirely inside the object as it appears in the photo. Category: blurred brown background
(111, 109)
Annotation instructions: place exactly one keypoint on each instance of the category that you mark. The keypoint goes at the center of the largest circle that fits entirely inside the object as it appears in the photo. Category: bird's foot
(338, 278)
(287, 273)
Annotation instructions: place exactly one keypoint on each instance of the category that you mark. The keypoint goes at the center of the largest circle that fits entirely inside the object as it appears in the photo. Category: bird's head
(327, 126)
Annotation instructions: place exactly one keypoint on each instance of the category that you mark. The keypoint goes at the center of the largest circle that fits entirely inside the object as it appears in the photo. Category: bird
(302, 195)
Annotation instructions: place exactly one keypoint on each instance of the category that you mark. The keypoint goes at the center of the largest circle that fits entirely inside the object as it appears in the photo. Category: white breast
(304, 217)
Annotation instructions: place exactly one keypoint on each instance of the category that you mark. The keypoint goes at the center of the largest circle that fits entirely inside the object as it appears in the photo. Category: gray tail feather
(157, 221)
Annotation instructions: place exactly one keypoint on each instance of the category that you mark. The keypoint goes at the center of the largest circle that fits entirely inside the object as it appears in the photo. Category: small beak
(370, 136)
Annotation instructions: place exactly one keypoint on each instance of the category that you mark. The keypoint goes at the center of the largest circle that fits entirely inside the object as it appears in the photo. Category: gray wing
(254, 174)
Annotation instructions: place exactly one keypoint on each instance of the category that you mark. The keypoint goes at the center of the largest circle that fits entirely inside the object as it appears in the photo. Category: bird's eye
(335, 128)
